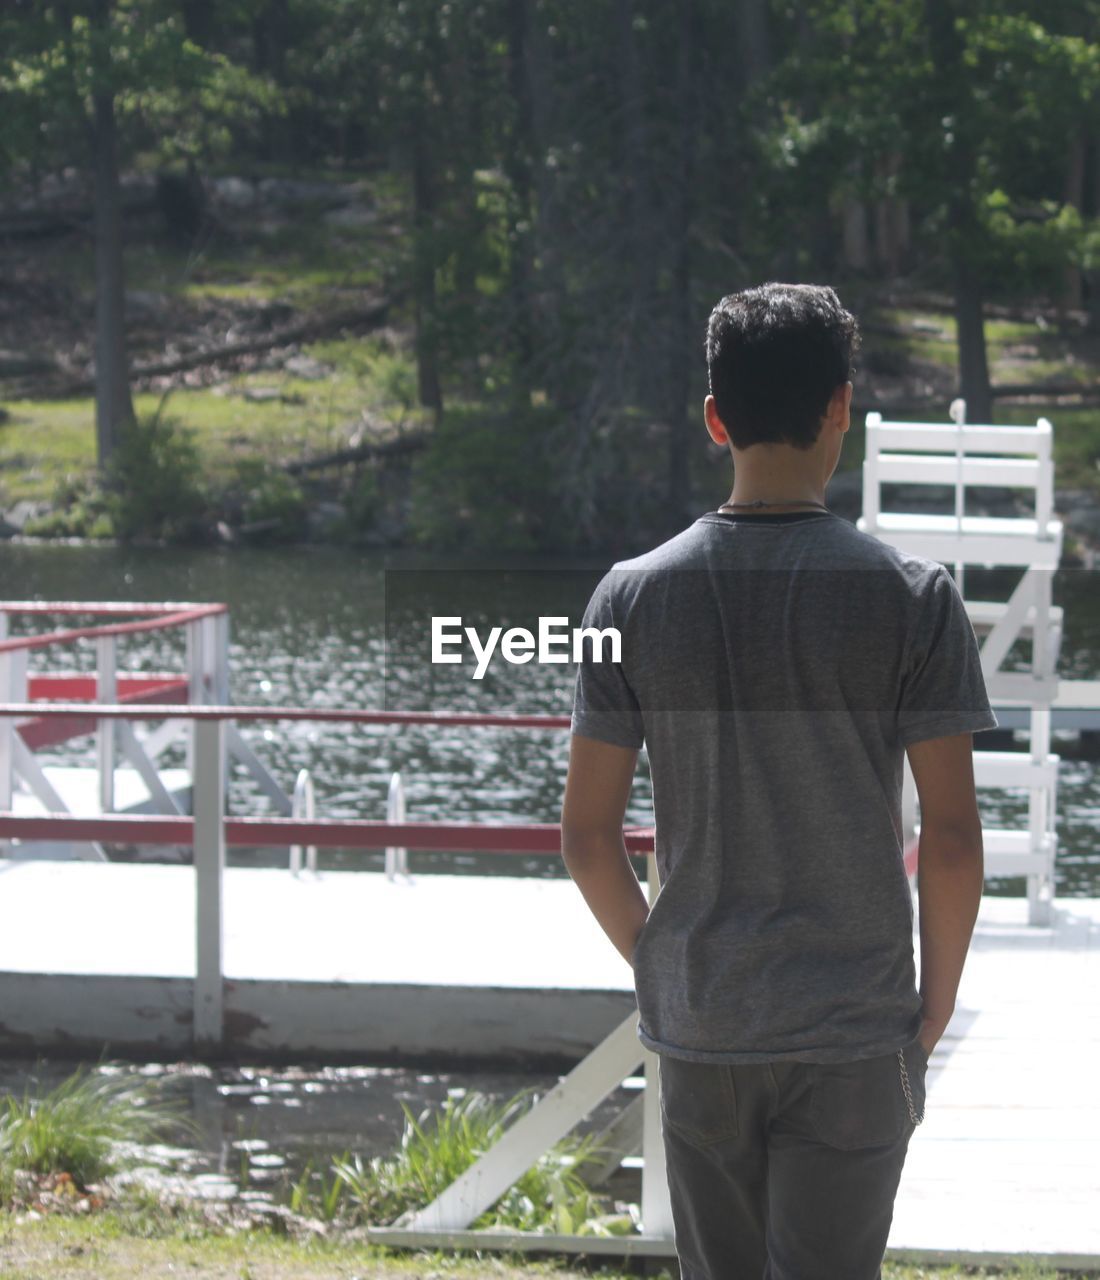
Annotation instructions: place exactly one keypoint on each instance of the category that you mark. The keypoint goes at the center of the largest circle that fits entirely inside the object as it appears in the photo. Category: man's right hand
(930, 1032)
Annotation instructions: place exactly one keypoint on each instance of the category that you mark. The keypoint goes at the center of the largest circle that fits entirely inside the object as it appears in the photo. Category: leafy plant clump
(79, 510)
(317, 1192)
(551, 1196)
(155, 482)
(273, 506)
(484, 482)
(82, 1129)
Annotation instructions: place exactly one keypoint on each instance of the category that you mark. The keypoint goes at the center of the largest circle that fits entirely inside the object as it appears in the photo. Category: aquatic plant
(80, 1127)
(437, 1147)
(317, 1193)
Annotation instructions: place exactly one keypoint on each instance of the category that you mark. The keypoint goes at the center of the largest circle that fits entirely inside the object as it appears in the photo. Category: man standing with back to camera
(776, 663)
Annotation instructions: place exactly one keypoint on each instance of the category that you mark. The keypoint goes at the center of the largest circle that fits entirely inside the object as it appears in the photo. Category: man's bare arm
(950, 871)
(596, 793)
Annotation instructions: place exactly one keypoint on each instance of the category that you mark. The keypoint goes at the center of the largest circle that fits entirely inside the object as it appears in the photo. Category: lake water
(308, 629)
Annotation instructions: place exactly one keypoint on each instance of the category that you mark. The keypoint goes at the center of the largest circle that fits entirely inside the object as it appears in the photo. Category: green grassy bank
(120, 1246)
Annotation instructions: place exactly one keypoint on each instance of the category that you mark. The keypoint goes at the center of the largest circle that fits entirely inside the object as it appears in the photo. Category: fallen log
(1002, 390)
(360, 453)
(312, 328)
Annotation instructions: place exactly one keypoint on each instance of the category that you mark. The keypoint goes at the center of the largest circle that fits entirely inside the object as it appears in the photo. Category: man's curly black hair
(775, 355)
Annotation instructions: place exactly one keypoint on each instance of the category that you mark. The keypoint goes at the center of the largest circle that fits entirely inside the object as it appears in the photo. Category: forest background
(409, 272)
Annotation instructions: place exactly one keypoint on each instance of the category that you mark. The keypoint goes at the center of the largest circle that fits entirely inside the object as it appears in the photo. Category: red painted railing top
(345, 833)
(166, 616)
(108, 608)
(155, 711)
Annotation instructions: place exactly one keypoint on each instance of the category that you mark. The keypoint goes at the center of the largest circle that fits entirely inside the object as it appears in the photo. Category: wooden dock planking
(1005, 1161)
(337, 926)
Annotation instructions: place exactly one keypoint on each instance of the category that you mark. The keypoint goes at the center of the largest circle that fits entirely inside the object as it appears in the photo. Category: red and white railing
(209, 831)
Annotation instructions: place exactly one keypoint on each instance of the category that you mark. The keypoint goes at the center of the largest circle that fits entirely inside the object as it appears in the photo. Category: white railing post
(208, 627)
(209, 855)
(957, 414)
(303, 807)
(193, 662)
(656, 1207)
(397, 859)
(13, 688)
(106, 691)
(1044, 490)
(870, 473)
(220, 631)
(217, 653)
(7, 727)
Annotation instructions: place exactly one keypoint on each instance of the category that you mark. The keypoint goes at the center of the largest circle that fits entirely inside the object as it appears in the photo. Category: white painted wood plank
(347, 926)
(536, 1131)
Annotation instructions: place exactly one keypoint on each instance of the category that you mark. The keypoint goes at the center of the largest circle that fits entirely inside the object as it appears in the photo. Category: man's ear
(715, 427)
(840, 408)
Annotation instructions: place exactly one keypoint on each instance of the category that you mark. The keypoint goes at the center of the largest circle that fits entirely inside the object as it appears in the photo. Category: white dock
(468, 968)
(340, 964)
(1006, 1160)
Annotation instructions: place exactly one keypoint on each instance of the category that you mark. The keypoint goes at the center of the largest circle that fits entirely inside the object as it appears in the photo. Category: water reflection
(259, 1126)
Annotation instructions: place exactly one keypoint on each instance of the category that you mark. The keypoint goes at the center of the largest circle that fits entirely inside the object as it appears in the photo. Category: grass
(102, 1247)
(46, 442)
(81, 1128)
(551, 1196)
(139, 1243)
(1018, 350)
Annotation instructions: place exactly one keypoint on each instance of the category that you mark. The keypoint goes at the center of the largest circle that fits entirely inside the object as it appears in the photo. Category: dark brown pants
(786, 1170)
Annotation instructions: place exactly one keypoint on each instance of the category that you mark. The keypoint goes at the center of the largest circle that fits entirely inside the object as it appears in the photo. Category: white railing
(941, 454)
(303, 806)
(205, 682)
(397, 860)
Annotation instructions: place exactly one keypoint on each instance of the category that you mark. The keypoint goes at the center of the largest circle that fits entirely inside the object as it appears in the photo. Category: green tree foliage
(975, 135)
(172, 98)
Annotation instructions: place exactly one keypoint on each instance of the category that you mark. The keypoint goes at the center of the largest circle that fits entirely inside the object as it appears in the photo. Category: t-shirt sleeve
(943, 690)
(604, 705)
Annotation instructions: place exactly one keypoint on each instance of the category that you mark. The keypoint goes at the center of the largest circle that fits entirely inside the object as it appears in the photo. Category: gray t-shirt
(775, 668)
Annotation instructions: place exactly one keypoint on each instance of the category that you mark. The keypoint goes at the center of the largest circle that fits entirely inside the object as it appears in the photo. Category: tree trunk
(1093, 277)
(424, 292)
(522, 265)
(113, 406)
(962, 219)
(270, 40)
(753, 39)
(681, 349)
(742, 27)
(548, 235)
(637, 194)
(891, 222)
(1073, 293)
(467, 74)
(857, 254)
(198, 21)
(973, 368)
